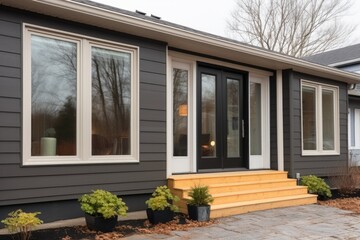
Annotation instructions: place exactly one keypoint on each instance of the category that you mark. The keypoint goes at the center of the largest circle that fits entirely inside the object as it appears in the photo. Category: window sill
(312, 153)
(44, 161)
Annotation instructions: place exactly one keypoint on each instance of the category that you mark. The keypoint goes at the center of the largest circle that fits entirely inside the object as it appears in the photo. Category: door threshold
(222, 170)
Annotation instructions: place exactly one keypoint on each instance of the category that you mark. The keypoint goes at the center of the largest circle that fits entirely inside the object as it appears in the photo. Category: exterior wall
(273, 125)
(294, 161)
(34, 184)
(287, 102)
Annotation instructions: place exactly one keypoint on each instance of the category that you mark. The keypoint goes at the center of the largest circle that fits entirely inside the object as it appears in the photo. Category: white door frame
(261, 161)
(185, 164)
(191, 60)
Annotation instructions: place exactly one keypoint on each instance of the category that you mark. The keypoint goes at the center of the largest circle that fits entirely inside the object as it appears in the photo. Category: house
(347, 59)
(93, 97)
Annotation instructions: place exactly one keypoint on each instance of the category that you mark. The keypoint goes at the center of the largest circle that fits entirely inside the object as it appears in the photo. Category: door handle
(243, 128)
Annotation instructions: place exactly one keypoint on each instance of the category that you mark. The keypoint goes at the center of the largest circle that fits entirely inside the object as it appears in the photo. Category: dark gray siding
(294, 161)
(273, 125)
(286, 120)
(19, 185)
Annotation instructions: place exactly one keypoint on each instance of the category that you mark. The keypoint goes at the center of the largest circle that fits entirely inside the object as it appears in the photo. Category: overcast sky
(205, 15)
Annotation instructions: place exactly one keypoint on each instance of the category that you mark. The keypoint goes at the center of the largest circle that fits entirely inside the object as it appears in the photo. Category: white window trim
(83, 111)
(319, 133)
(356, 129)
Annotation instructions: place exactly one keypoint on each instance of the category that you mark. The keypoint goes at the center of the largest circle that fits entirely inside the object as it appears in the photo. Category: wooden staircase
(241, 192)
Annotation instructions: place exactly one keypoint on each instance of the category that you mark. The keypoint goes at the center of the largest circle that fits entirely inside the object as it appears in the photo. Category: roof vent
(139, 12)
(154, 16)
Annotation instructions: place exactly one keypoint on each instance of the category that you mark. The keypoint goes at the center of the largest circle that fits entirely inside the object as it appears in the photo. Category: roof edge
(185, 33)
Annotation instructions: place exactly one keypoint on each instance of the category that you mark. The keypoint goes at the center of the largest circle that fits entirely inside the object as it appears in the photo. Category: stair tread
(268, 200)
(224, 174)
(244, 192)
(241, 183)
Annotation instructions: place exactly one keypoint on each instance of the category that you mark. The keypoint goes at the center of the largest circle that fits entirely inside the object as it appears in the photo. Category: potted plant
(102, 209)
(48, 143)
(161, 206)
(199, 203)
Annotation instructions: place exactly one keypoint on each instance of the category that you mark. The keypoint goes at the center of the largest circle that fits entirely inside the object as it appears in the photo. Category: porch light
(212, 143)
(183, 110)
(298, 178)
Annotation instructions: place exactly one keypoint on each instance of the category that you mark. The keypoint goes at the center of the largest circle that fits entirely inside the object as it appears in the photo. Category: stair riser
(263, 206)
(253, 196)
(228, 179)
(242, 187)
(258, 196)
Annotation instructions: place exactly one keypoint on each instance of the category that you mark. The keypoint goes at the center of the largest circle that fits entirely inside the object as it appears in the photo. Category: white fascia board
(347, 62)
(283, 61)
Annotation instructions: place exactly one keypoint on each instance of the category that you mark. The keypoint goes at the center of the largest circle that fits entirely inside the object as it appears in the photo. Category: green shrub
(102, 203)
(316, 185)
(200, 196)
(22, 223)
(162, 198)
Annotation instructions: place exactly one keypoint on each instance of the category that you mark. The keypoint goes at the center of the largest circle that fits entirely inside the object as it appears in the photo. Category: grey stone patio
(304, 222)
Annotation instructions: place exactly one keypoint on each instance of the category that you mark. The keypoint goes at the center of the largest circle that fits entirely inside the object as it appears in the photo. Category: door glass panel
(208, 115)
(180, 111)
(309, 118)
(233, 120)
(328, 120)
(53, 97)
(111, 102)
(255, 119)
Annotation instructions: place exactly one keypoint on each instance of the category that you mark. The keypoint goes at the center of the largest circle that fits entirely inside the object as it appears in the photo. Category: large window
(79, 99)
(320, 119)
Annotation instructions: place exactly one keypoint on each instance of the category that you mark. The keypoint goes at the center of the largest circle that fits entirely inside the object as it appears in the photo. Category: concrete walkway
(304, 222)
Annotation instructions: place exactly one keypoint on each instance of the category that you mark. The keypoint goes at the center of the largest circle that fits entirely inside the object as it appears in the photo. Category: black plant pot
(100, 223)
(159, 216)
(199, 213)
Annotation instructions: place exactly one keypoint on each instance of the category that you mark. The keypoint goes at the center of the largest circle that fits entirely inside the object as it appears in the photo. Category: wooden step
(249, 195)
(243, 186)
(189, 180)
(229, 209)
(241, 192)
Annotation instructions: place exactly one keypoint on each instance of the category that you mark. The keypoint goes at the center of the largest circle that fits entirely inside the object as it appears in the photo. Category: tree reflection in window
(111, 102)
(53, 96)
(180, 111)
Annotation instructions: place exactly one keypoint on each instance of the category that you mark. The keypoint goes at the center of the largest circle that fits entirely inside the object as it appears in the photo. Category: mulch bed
(350, 204)
(123, 229)
(346, 201)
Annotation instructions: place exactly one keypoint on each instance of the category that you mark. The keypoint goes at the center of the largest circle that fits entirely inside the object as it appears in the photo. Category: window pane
(208, 113)
(233, 118)
(328, 120)
(255, 118)
(180, 114)
(111, 102)
(53, 97)
(309, 117)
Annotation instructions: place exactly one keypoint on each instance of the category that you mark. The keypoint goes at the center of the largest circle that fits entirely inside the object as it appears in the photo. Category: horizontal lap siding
(273, 125)
(19, 184)
(286, 120)
(318, 165)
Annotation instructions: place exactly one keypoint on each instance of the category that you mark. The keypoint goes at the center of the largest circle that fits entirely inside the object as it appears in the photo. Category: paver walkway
(304, 222)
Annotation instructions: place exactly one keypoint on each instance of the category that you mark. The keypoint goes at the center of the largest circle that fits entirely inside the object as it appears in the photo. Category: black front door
(221, 119)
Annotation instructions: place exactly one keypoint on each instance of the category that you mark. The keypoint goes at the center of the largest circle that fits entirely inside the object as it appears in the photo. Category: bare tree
(294, 27)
